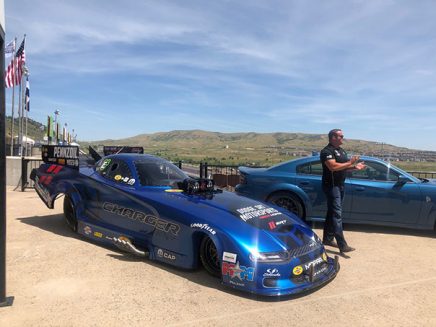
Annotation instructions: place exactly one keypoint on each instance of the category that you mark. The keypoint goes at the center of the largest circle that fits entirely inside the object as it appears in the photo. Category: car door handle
(359, 188)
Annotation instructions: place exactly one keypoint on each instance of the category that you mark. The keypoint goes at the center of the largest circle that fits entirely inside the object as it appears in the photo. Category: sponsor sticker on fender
(257, 211)
(297, 270)
(230, 257)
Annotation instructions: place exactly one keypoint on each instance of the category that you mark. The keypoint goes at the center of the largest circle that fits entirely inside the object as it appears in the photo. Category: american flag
(14, 71)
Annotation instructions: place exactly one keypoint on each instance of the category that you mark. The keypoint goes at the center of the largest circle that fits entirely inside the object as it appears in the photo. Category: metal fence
(27, 164)
(225, 176)
(423, 174)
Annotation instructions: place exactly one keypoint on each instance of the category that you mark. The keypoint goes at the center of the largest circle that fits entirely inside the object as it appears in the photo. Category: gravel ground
(60, 279)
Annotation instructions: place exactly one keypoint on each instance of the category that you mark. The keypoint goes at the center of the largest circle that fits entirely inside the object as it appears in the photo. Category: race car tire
(209, 257)
(70, 213)
(288, 201)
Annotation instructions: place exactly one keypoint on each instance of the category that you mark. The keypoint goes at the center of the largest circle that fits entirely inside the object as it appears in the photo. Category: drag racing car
(148, 207)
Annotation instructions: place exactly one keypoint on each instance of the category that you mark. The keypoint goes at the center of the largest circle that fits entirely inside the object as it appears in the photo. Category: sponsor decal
(98, 234)
(105, 164)
(87, 230)
(131, 181)
(65, 152)
(329, 156)
(314, 263)
(258, 211)
(230, 257)
(238, 272)
(297, 270)
(231, 281)
(165, 254)
(281, 222)
(272, 225)
(324, 268)
(271, 272)
(204, 226)
(174, 190)
(63, 155)
(149, 219)
(117, 177)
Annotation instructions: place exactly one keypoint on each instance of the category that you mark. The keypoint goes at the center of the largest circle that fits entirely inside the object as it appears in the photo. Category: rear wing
(64, 155)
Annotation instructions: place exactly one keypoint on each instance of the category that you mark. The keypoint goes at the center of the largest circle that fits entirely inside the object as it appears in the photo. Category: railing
(423, 174)
(226, 176)
(27, 164)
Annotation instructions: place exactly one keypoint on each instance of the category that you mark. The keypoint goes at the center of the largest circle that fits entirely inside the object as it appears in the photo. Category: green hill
(35, 130)
(253, 148)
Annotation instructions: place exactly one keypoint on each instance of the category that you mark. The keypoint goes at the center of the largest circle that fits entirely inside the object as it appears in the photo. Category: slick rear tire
(70, 213)
(209, 257)
(288, 201)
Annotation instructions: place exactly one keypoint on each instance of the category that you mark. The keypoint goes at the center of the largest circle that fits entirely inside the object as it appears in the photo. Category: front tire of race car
(209, 257)
(70, 213)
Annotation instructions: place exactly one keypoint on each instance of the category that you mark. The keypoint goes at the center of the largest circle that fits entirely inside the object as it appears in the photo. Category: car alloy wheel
(209, 257)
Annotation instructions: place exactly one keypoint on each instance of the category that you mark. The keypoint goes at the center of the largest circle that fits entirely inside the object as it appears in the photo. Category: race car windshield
(158, 173)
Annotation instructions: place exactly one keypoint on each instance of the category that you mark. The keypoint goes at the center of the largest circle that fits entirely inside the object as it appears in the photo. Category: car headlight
(269, 256)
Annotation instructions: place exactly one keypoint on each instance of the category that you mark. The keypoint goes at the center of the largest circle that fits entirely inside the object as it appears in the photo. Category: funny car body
(147, 206)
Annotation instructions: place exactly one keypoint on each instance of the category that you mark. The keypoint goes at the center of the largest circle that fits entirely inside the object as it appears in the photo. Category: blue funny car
(147, 206)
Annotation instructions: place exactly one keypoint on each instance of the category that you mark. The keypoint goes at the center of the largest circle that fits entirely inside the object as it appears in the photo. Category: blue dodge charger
(148, 207)
(382, 194)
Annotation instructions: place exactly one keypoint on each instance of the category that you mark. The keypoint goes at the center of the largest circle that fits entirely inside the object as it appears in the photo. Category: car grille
(302, 250)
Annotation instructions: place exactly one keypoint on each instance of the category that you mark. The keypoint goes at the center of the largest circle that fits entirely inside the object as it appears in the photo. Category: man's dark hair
(333, 132)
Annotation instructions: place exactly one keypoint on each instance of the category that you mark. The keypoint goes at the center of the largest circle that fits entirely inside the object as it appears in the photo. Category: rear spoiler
(64, 155)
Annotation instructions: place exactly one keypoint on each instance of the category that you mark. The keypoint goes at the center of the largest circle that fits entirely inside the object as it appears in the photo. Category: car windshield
(158, 172)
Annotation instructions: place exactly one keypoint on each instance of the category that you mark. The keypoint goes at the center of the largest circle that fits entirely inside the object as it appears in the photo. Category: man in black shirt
(335, 164)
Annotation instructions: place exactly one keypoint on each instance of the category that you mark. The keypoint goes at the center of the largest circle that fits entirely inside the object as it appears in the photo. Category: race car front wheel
(70, 213)
(209, 257)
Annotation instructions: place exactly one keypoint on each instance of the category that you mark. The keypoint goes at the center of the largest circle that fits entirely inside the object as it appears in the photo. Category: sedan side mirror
(402, 180)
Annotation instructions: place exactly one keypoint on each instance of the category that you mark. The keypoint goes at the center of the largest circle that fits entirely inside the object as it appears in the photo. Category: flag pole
(26, 72)
(13, 98)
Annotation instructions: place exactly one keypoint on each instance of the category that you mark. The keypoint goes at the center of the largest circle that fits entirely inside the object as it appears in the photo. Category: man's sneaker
(347, 248)
(330, 243)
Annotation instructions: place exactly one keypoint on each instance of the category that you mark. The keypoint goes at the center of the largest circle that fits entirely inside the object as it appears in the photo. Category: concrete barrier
(13, 170)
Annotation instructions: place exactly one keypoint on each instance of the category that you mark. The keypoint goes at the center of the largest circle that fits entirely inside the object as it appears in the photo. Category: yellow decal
(98, 234)
(297, 270)
(173, 190)
(324, 256)
(117, 177)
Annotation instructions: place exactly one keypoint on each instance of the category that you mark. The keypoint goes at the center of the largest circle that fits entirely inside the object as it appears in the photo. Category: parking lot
(58, 278)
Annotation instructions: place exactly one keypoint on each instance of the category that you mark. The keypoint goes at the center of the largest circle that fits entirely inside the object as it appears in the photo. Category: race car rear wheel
(209, 257)
(288, 201)
(70, 213)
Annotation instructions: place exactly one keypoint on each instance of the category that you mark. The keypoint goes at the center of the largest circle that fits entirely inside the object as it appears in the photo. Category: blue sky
(117, 69)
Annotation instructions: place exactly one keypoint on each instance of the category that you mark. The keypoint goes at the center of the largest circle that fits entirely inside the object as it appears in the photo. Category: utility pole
(4, 301)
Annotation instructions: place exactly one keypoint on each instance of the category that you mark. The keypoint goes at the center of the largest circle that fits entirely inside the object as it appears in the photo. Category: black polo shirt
(333, 178)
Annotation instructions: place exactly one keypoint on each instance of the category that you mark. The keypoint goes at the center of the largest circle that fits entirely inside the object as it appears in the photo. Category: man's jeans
(333, 221)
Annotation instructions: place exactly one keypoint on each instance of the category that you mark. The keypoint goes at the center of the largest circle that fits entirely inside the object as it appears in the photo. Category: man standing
(335, 163)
